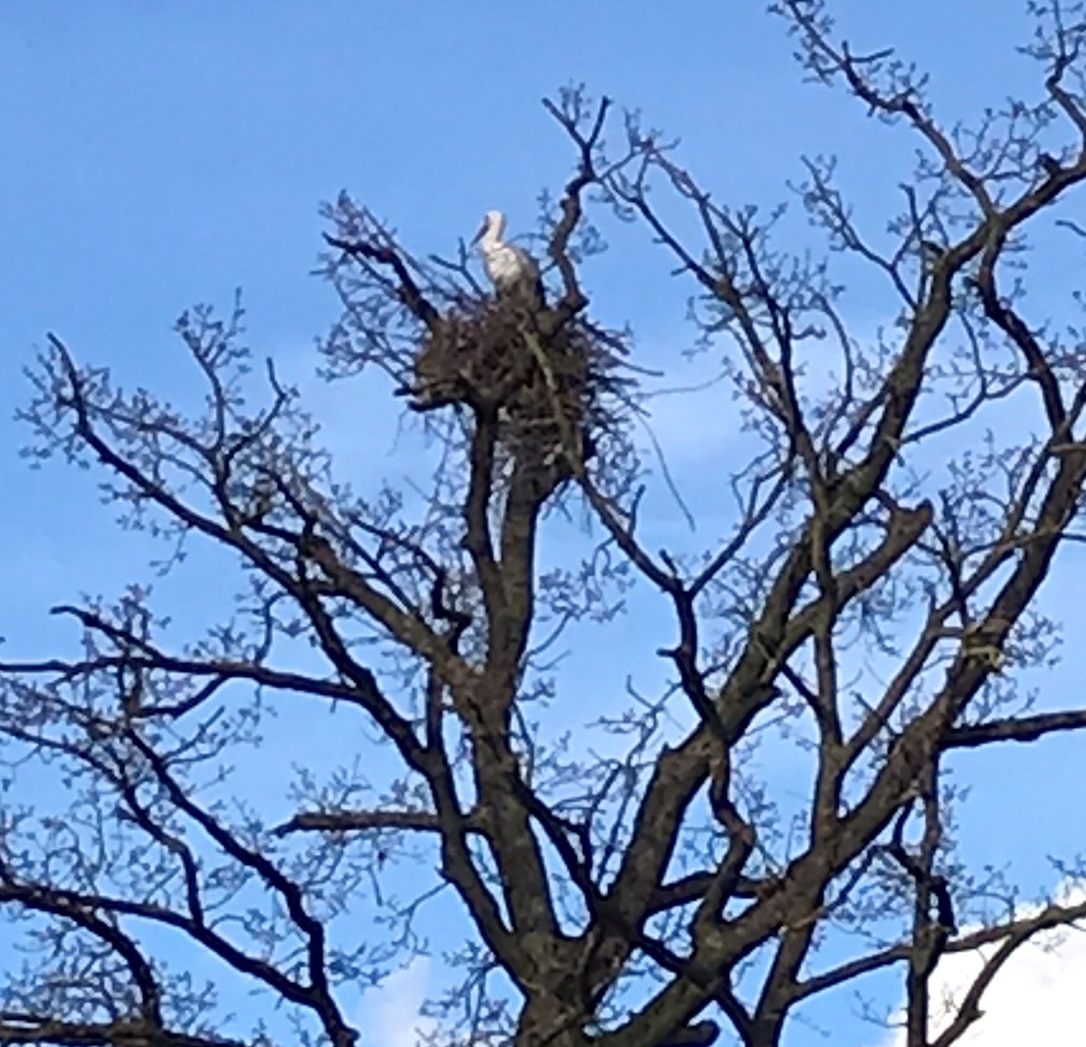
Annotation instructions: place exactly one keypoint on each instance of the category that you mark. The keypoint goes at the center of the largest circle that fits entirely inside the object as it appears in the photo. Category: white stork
(510, 268)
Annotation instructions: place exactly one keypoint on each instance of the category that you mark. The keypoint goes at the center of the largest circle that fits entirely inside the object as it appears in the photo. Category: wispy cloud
(1035, 998)
(390, 1014)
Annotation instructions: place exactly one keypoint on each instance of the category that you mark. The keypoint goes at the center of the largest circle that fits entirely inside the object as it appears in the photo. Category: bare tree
(652, 893)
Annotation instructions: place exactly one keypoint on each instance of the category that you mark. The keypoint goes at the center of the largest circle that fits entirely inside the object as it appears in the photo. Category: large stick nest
(550, 384)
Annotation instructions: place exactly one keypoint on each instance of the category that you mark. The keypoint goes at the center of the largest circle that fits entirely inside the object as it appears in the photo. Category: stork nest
(548, 388)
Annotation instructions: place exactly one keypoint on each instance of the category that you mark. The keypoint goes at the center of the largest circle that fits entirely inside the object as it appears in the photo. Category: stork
(510, 268)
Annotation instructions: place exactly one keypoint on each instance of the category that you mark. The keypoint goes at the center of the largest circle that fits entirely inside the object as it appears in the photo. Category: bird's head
(494, 223)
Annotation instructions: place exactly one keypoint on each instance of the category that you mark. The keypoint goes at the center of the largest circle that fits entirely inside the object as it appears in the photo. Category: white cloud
(390, 1013)
(1035, 998)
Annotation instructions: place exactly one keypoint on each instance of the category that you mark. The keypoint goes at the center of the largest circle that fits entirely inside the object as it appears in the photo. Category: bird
(509, 267)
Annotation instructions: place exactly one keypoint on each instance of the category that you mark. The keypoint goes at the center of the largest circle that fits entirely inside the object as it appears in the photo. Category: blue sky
(159, 155)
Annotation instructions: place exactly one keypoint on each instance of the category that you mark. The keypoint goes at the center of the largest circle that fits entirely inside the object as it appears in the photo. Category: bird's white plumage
(508, 266)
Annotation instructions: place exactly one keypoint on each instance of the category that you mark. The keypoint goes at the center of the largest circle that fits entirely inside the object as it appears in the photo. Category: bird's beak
(479, 235)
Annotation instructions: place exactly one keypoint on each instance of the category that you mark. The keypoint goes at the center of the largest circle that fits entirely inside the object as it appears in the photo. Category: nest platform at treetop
(551, 385)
